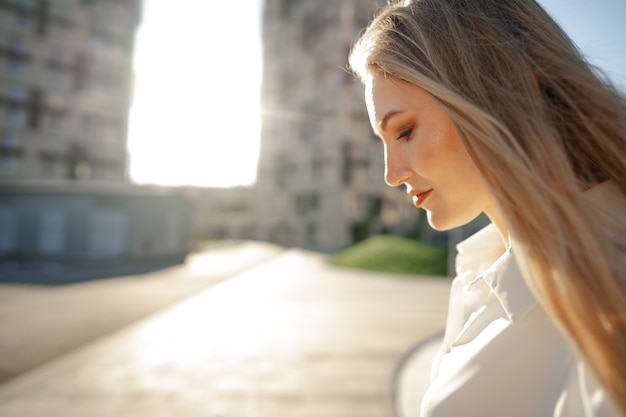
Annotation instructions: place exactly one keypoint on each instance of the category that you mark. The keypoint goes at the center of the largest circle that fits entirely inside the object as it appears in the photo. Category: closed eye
(405, 134)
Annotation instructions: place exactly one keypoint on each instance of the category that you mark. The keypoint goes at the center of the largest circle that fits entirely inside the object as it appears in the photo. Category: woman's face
(423, 152)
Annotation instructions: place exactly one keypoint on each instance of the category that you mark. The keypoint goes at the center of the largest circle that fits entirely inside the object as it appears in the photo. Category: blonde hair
(541, 125)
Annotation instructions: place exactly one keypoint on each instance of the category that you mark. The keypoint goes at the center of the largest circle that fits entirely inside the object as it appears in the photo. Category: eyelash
(405, 134)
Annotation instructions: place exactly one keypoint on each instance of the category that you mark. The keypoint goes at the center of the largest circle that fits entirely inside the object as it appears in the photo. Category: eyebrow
(389, 115)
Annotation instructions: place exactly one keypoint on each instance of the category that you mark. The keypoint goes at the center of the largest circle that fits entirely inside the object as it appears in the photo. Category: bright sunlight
(195, 116)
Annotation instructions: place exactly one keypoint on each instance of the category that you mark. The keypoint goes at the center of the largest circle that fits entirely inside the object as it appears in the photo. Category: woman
(487, 106)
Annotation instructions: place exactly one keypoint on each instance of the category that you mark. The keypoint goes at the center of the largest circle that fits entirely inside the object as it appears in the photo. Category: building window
(26, 3)
(348, 164)
(311, 233)
(307, 204)
(14, 66)
(285, 171)
(55, 71)
(107, 232)
(18, 93)
(370, 207)
(9, 164)
(17, 115)
(60, 31)
(10, 140)
(309, 131)
(48, 165)
(82, 170)
(23, 20)
(53, 121)
(318, 168)
(315, 26)
(52, 232)
(88, 123)
(8, 229)
(16, 45)
(94, 43)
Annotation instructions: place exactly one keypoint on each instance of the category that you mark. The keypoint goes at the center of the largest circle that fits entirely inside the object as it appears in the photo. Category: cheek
(450, 144)
(438, 152)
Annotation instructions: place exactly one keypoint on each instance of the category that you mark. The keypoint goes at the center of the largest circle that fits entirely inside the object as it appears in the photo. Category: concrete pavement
(291, 336)
(38, 323)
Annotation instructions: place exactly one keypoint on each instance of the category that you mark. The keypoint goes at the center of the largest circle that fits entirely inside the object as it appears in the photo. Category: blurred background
(199, 139)
(135, 130)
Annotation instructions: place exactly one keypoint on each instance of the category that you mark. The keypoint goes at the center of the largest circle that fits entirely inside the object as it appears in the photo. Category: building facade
(65, 87)
(80, 220)
(65, 91)
(320, 177)
(66, 230)
(221, 213)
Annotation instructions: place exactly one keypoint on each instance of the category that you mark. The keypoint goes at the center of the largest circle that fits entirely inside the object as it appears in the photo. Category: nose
(397, 170)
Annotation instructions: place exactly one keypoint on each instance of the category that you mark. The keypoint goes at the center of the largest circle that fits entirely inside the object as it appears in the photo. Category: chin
(444, 223)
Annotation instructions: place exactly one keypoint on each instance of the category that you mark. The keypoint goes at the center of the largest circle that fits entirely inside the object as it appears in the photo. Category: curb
(411, 377)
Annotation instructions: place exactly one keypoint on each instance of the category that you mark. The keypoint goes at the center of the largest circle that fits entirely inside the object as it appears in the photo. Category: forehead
(384, 94)
(378, 88)
(380, 94)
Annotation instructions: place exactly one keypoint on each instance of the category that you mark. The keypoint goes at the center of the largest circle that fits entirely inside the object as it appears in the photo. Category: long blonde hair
(541, 125)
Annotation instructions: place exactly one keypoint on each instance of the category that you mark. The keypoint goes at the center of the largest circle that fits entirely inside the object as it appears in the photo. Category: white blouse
(501, 354)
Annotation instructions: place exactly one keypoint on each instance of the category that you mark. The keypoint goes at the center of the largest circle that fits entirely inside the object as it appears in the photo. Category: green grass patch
(388, 253)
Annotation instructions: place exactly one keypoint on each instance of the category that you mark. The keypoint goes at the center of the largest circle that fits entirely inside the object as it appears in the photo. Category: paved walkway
(289, 337)
(39, 322)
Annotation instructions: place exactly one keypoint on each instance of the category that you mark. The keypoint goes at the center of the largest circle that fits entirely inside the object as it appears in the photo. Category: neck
(496, 218)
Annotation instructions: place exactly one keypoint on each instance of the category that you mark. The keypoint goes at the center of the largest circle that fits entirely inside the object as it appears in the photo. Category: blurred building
(65, 85)
(221, 213)
(92, 220)
(320, 179)
(65, 92)
(72, 225)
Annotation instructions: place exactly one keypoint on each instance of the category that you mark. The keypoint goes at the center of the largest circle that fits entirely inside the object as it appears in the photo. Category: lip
(420, 197)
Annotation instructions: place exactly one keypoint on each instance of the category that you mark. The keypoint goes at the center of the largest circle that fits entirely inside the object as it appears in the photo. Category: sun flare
(195, 115)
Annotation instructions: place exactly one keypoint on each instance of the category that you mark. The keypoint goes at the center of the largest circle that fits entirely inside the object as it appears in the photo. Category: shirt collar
(481, 257)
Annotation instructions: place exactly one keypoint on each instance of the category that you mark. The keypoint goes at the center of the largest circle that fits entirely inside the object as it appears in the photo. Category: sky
(195, 117)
